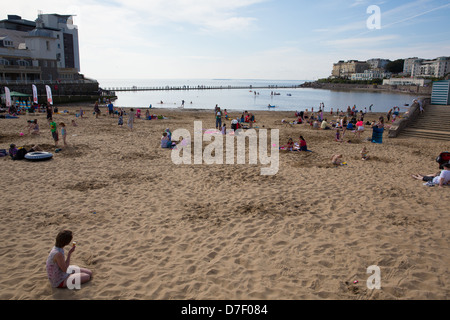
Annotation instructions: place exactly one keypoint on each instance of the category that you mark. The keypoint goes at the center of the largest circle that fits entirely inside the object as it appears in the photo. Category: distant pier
(200, 87)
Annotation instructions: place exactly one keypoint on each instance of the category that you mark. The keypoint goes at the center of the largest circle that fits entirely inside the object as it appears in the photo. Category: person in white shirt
(440, 179)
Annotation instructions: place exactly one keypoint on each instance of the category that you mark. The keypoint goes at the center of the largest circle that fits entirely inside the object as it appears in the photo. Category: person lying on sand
(441, 178)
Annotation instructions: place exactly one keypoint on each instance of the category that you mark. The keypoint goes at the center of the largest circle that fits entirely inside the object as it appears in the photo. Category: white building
(46, 49)
(368, 75)
(438, 67)
(406, 82)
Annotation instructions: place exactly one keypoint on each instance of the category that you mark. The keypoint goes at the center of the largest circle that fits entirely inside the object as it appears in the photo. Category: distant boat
(269, 106)
(289, 94)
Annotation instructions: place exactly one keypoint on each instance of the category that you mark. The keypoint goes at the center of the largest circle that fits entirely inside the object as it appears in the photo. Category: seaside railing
(44, 82)
(199, 87)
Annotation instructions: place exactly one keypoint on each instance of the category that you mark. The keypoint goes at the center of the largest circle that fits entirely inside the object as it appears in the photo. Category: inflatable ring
(38, 156)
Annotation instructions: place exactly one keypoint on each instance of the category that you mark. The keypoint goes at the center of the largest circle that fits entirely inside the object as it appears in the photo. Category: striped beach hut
(440, 94)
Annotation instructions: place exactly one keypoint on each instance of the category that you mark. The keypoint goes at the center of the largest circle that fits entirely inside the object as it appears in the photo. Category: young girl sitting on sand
(57, 265)
(364, 155)
(290, 144)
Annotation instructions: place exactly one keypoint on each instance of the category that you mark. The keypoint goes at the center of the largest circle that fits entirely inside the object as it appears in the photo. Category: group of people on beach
(245, 120)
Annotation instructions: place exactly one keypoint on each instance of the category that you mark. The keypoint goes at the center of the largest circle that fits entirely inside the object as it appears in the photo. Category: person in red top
(302, 144)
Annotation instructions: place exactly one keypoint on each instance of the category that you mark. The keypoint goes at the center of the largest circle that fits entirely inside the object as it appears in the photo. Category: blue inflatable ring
(38, 156)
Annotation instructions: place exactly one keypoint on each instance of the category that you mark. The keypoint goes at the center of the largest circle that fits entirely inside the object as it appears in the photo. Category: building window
(23, 63)
(4, 62)
(48, 45)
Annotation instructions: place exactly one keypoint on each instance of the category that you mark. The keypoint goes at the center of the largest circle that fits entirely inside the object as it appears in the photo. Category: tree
(395, 66)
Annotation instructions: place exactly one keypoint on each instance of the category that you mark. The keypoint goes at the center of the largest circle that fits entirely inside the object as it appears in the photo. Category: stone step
(435, 135)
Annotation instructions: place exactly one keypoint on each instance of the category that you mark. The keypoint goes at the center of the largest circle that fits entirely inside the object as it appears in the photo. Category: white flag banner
(7, 97)
(35, 96)
(49, 95)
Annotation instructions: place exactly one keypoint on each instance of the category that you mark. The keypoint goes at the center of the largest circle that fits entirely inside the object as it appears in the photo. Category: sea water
(284, 99)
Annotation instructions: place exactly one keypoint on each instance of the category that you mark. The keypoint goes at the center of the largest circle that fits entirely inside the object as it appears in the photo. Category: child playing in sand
(74, 124)
(337, 160)
(57, 265)
(224, 129)
(290, 144)
(364, 155)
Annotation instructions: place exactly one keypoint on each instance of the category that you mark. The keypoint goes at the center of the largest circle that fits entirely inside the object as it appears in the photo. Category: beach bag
(20, 155)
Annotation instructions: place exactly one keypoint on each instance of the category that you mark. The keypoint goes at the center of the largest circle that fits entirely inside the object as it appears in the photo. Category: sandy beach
(150, 229)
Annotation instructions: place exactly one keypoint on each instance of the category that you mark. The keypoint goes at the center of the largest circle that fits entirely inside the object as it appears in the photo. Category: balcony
(6, 68)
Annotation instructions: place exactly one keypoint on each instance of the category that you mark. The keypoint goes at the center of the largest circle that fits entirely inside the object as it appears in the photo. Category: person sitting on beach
(234, 124)
(337, 160)
(440, 179)
(34, 127)
(165, 141)
(289, 146)
(74, 124)
(325, 125)
(315, 124)
(350, 126)
(57, 265)
(379, 124)
(302, 144)
(364, 153)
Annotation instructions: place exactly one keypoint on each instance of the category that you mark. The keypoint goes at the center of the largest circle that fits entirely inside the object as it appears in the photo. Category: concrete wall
(408, 117)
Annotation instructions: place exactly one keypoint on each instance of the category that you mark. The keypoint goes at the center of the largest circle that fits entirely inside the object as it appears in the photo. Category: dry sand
(150, 229)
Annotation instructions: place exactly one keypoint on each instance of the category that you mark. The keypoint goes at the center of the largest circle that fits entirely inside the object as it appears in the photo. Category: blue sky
(244, 39)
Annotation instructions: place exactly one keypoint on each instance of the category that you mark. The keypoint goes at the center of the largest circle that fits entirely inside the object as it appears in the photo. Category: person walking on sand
(131, 117)
(57, 265)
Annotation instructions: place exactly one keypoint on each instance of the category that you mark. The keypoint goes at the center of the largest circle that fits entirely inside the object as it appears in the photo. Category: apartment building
(346, 69)
(44, 49)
